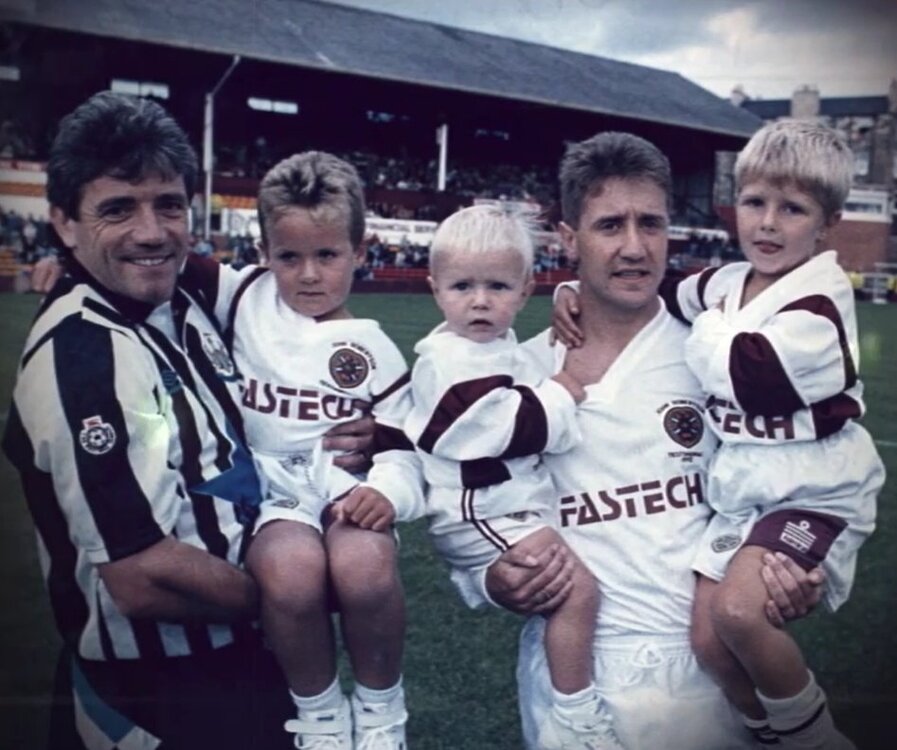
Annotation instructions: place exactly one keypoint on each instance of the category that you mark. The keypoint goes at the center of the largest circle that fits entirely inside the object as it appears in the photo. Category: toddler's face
(480, 293)
(779, 227)
(313, 261)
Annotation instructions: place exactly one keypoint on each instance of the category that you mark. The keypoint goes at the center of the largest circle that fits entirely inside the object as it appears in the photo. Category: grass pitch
(459, 666)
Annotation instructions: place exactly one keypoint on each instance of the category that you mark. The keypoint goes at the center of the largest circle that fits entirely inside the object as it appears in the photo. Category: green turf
(460, 665)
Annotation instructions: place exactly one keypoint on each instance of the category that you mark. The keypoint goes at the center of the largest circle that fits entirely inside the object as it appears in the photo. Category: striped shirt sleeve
(108, 454)
(799, 357)
(489, 415)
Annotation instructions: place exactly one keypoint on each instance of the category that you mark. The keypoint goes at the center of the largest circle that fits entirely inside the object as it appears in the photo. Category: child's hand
(564, 315)
(573, 386)
(366, 508)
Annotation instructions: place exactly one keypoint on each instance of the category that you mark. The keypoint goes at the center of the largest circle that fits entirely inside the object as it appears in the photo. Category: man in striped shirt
(127, 435)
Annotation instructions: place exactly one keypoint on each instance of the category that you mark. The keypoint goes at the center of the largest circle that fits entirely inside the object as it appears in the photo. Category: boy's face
(480, 293)
(779, 227)
(313, 261)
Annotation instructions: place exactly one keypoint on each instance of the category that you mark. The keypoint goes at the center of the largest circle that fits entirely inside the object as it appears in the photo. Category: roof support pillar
(208, 158)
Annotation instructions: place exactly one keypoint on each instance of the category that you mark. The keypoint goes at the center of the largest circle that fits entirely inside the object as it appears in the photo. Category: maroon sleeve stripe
(830, 415)
(483, 472)
(669, 292)
(759, 381)
(530, 426)
(388, 438)
(458, 399)
(200, 276)
(404, 380)
(819, 304)
(703, 280)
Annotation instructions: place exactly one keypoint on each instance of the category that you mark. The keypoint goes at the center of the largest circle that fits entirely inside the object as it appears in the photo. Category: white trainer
(590, 730)
(328, 729)
(379, 726)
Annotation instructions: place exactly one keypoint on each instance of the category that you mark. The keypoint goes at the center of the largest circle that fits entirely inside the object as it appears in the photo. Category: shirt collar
(132, 309)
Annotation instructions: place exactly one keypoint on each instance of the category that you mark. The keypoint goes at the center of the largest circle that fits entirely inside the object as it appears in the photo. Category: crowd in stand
(28, 237)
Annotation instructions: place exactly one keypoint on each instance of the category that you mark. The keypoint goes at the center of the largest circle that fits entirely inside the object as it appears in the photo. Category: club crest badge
(97, 437)
(685, 425)
(348, 368)
(218, 356)
(725, 543)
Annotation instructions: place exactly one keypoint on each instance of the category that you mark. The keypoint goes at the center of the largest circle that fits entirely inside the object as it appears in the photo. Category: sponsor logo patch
(285, 503)
(798, 535)
(348, 368)
(97, 437)
(725, 542)
(685, 425)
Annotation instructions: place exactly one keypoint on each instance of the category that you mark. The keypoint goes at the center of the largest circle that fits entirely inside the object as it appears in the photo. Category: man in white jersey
(631, 495)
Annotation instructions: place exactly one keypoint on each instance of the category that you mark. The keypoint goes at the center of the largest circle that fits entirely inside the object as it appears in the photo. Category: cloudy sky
(770, 47)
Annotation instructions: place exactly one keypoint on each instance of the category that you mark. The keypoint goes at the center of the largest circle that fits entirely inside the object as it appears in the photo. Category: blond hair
(811, 155)
(483, 228)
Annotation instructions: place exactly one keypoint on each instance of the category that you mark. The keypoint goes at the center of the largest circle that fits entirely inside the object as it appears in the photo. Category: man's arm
(176, 582)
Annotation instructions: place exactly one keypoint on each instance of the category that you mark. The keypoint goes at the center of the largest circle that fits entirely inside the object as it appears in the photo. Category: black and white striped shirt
(125, 429)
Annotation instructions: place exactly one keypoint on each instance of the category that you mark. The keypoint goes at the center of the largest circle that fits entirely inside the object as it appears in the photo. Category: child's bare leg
(365, 577)
(715, 657)
(571, 627)
(769, 654)
(287, 560)
(795, 705)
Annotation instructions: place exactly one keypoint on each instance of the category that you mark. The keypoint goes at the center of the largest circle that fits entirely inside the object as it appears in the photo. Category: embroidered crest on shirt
(685, 425)
(725, 542)
(218, 356)
(97, 437)
(348, 367)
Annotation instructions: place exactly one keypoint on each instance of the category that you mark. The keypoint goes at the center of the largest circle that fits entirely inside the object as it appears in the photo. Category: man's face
(621, 244)
(130, 236)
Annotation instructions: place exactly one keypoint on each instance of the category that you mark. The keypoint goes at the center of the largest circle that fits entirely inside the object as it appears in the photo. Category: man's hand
(793, 591)
(366, 508)
(564, 316)
(353, 439)
(530, 584)
(573, 386)
(45, 273)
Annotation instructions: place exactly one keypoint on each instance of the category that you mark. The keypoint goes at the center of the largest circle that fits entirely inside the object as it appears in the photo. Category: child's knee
(292, 576)
(365, 574)
(735, 616)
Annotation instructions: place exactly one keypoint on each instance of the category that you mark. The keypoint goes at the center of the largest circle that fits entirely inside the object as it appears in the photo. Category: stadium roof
(360, 42)
(838, 106)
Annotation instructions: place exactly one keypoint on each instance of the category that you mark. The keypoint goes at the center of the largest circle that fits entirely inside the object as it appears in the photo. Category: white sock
(761, 731)
(571, 704)
(385, 696)
(332, 697)
(803, 720)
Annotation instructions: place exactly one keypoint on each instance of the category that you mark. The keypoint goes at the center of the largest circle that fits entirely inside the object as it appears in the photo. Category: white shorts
(470, 547)
(300, 486)
(815, 502)
(657, 694)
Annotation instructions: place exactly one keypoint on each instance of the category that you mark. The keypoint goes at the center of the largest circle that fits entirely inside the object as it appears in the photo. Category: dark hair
(118, 136)
(316, 181)
(588, 164)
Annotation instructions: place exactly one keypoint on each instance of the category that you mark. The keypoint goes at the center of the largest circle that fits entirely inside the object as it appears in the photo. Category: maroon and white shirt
(783, 368)
(482, 414)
